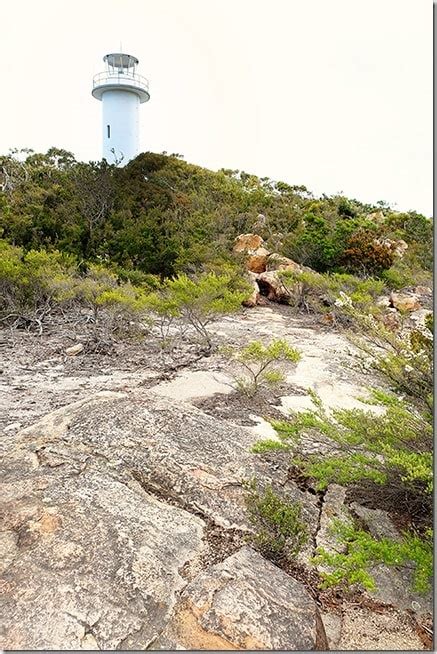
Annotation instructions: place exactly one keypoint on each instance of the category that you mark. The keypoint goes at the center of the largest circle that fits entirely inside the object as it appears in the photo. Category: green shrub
(35, 280)
(280, 533)
(318, 293)
(196, 302)
(255, 361)
(393, 448)
(363, 552)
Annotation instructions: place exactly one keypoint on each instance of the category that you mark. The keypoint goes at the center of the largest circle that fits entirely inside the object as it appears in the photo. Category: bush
(366, 255)
(197, 302)
(319, 293)
(256, 360)
(280, 532)
(363, 552)
(31, 283)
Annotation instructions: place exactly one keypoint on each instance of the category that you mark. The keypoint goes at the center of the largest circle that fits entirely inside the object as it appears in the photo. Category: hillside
(217, 412)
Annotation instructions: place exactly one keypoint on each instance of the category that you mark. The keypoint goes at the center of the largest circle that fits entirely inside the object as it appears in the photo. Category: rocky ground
(124, 518)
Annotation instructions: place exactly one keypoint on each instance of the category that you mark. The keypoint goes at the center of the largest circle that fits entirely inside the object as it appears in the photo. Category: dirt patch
(238, 407)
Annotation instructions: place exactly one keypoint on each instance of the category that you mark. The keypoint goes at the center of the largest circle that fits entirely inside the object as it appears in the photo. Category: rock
(419, 317)
(104, 502)
(423, 290)
(248, 243)
(394, 587)
(376, 216)
(391, 320)
(398, 247)
(383, 301)
(74, 349)
(257, 262)
(377, 521)
(332, 624)
(247, 603)
(333, 509)
(405, 302)
(271, 285)
(278, 262)
(13, 426)
(253, 299)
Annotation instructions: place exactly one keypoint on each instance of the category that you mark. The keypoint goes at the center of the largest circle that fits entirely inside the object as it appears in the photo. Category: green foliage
(162, 216)
(255, 360)
(404, 359)
(34, 283)
(363, 552)
(197, 301)
(317, 292)
(33, 280)
(280, 533)
(393, 447)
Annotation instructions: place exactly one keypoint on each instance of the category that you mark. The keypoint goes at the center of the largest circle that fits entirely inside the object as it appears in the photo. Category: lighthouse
(121, 91)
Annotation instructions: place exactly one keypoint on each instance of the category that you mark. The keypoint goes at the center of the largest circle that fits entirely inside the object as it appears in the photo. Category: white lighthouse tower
(121, 91)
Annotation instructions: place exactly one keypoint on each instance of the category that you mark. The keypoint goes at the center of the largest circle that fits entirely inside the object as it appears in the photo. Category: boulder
(246, 603)
(419, 317)
(333, 509)
(383, 301)
(248, 243)
(278, 262)
(400, 247)
(105, 503)
(257, 262)
(271, 285)
(391, 319)
(405, 301)
(376, 217)
(253, 299)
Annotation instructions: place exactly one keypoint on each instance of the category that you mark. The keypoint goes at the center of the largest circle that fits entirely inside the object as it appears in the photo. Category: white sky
(333, 94)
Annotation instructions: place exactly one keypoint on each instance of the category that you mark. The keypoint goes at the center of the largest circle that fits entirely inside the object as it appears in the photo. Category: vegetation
(280, 532)
(34, 283)
(186, 302)
(161, 216)
(334, 292)
(391, 451)
(256, 360)
(363, 552)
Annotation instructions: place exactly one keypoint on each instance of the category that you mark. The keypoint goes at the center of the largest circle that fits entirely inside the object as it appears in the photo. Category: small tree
(197, 302)
(112, 303)
(256, 361)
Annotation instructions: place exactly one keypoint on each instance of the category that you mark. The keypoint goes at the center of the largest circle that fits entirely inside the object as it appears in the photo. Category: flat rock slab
(105, 502)
(194, 384)
(90, 560)
(245, 602)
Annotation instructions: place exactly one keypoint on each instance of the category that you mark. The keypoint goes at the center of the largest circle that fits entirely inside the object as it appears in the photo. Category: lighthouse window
(109, 131)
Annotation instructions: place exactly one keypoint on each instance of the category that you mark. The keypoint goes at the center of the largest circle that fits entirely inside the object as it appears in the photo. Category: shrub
(319, 293)
(365, 255)
(31, 283)
(256, 360)
(392, 449)
(363, 552)
(280, 532)
(196, 302)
